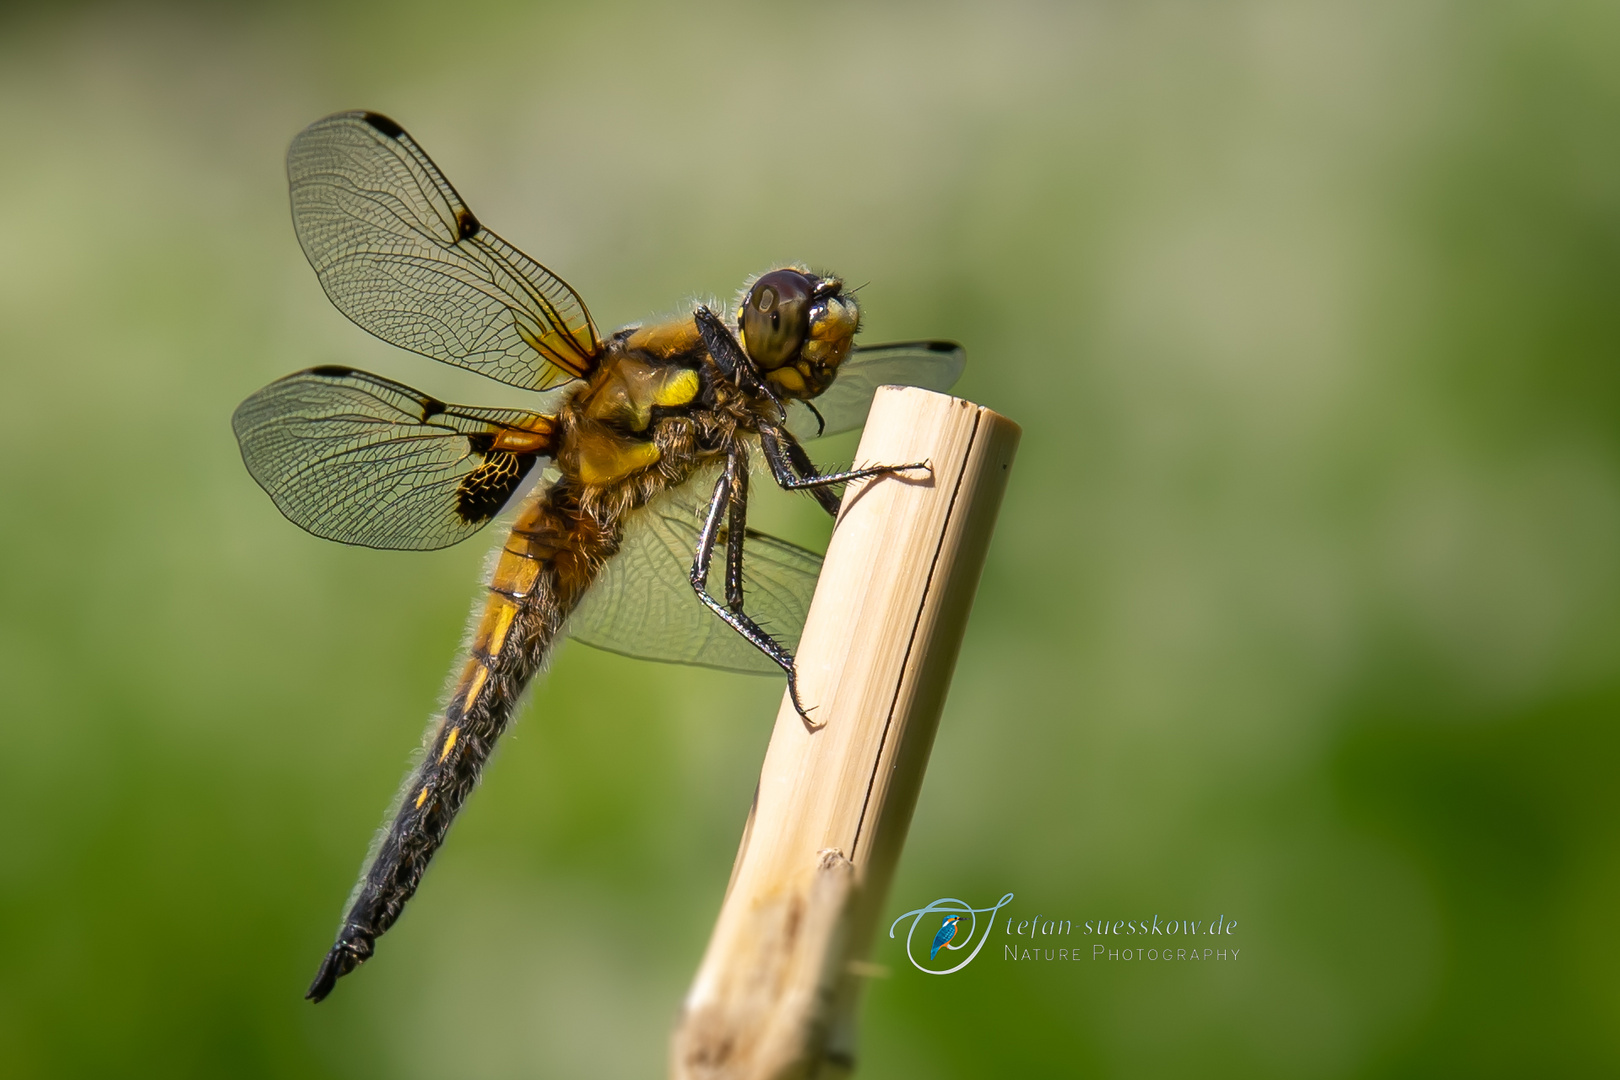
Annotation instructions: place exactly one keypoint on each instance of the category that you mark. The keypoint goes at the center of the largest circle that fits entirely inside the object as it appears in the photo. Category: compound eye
(776, 317)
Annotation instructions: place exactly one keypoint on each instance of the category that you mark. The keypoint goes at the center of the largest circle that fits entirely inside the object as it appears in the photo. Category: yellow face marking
(449, 744)
(788, 379)
(680, 387)
(836, 321)
(422, 798)
(477, 684)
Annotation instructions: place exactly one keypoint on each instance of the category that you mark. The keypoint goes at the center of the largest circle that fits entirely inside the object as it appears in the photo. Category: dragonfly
(623, 485)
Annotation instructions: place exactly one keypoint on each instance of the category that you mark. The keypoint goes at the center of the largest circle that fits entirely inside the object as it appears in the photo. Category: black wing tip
(932, 345)
(383, 124)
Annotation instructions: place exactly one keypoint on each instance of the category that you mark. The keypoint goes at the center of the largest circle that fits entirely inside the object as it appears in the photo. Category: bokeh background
(1304, 607)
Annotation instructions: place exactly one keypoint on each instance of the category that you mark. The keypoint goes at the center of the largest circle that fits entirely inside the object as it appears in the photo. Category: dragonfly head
(798, 327)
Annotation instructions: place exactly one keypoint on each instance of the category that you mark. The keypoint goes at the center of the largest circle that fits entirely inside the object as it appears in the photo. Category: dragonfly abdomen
(553, 554)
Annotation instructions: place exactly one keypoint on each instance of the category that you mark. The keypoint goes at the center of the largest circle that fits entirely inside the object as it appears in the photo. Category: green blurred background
(1304, 606)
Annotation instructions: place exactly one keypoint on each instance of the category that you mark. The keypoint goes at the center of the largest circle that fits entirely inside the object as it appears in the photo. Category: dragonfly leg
(793, 470)
(736, 533)
(720, 503)
(788, 459)
(731, 358)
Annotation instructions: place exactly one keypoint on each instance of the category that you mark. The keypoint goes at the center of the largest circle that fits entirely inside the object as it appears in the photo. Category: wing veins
(400, 253)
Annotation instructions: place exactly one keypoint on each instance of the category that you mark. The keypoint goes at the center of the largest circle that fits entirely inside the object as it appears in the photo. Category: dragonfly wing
(364, 460)
(397, 250)
(933, 365)
(643, 604)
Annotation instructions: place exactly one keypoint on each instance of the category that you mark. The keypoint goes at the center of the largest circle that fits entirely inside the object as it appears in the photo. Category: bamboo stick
(776, 992)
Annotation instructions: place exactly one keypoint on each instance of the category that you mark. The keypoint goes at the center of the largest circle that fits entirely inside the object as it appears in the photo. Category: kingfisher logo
(956, 927)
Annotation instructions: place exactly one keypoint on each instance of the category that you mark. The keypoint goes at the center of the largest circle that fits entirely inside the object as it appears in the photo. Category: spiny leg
(736, 532)
(796, 463)
(720, 503)
(731, 358)
(793, 470)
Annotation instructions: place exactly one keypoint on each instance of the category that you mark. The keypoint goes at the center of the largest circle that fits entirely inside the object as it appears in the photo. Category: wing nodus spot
(485, 490)
(466, 224)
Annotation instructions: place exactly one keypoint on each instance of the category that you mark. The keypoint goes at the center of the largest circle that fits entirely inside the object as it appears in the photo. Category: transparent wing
(398, 252)
(933, 365)
(364, 460)
(643, 604)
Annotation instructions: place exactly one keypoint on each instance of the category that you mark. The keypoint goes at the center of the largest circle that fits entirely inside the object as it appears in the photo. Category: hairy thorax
(654, 413)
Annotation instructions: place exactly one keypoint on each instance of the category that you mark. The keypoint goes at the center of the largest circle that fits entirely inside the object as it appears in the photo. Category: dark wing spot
(384, 125)
(943, 346)
(466, 223)
(481, 442)
(485, 490)
(431, 407)
(332, 371)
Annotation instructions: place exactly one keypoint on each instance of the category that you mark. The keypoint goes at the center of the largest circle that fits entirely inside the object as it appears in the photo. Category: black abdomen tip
(342, 959)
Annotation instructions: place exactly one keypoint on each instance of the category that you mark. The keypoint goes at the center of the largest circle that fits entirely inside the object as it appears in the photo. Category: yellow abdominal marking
(516, 573)
(492, 636)
(422, 798)
(477, 685)
(449, 744)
